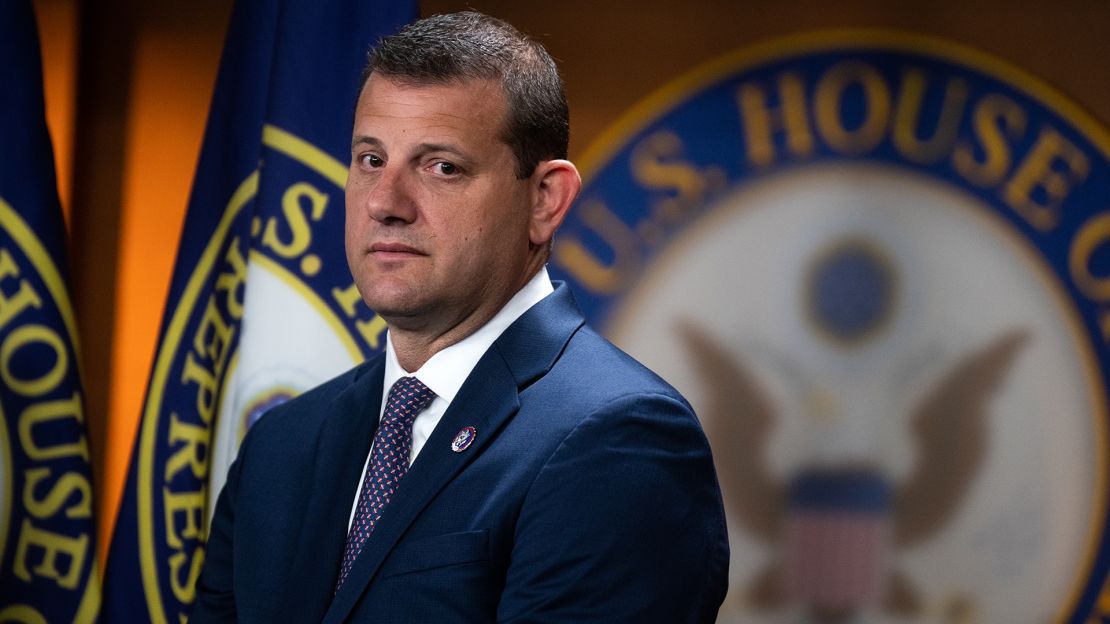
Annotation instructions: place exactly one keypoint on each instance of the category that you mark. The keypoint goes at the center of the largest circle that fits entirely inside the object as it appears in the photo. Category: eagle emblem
(838, 528)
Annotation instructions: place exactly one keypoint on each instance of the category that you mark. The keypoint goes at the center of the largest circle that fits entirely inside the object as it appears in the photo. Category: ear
(555, 184)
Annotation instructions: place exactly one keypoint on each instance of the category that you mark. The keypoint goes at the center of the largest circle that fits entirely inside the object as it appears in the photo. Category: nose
(387, 197)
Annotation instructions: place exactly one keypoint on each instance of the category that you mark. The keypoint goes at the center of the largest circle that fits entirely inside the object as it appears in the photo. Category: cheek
(352, 233)
(356, 220)
(351, 200)
(348, 226)
(351, 254)
(348, 209)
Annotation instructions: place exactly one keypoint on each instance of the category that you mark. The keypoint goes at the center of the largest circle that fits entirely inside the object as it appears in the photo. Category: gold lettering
(192, 454)
(996, 117)
(1039, 171)
(206, 387)
(40, 413)
(23, 298)
(185, 589)
(213, 336)
(348, 299)
(52, 545)
(652, 167)
(655, 165)
(1093, 233)
(63, 490)
(371, 330)
(21, 337)
(22, 614)
(907, 118)
(828, 98)
(590, 271)
(761, 121)
(301, 233)
(230, 282)
(191, 506)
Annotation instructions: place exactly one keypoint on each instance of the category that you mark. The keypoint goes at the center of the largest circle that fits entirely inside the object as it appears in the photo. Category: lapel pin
(463, 439)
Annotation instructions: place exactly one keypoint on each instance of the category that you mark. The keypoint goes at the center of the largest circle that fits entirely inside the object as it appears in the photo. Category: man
(501, 461)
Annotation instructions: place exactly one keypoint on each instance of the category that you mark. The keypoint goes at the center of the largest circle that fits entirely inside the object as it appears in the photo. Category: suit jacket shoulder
(586, 494)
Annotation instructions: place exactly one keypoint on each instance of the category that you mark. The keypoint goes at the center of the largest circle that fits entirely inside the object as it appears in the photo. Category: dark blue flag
(262, 305)
(47, 544)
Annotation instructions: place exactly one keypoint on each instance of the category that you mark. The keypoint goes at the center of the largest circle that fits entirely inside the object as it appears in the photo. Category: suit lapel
(482, 406)
(486, 401)
(341, 448)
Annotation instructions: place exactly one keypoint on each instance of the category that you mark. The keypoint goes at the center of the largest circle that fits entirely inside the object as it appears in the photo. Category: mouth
(388, 250)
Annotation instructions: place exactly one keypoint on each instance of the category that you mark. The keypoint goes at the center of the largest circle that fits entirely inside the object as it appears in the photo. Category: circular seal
(47, 529)
(228, 352)
(877, 261)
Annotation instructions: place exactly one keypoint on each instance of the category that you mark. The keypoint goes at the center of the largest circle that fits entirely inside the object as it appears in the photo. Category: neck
(415, 343)
(415, 347)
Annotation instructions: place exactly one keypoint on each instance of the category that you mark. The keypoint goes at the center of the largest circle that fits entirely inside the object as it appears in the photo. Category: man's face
(437, 222)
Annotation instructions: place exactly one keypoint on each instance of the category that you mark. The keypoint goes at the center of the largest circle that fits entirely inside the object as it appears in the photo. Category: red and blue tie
(389, 460)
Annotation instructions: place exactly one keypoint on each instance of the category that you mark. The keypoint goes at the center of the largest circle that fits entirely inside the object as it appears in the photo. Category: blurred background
(128, 85)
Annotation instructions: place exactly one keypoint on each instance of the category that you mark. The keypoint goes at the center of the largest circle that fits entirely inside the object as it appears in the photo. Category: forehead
(471, 107)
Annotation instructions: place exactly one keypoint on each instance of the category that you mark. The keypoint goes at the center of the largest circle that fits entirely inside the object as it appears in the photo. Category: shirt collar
(446, 371)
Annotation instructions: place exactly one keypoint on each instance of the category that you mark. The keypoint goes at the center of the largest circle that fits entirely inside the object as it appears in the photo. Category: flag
(47, 528)
(836, 539)
(261, 306)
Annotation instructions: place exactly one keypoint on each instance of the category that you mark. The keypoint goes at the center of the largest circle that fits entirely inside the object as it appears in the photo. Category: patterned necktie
(389, 460)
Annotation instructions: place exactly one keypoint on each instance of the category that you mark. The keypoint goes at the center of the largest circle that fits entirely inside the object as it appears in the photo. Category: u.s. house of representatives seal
(268, 311)
(47, 534)
(879, 267)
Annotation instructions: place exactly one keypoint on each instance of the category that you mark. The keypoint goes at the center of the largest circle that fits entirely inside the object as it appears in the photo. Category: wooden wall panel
(614, 54)
(146, 73)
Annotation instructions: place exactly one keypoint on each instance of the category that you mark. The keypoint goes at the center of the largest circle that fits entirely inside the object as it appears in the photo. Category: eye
(445, 168)
(372, 161)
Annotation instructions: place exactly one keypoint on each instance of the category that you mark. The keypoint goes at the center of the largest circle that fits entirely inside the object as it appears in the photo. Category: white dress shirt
(445, 372)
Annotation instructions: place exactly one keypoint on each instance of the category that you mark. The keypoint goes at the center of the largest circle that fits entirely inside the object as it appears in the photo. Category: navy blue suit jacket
(589, 495)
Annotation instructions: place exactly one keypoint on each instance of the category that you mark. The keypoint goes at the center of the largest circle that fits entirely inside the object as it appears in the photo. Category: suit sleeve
(624, 523)
(215, 600)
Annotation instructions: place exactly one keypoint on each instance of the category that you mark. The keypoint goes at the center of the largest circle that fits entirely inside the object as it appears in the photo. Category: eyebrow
(365, 140)
(422, 148)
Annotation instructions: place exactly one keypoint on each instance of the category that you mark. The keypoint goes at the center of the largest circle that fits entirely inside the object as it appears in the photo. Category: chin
(391, 302)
